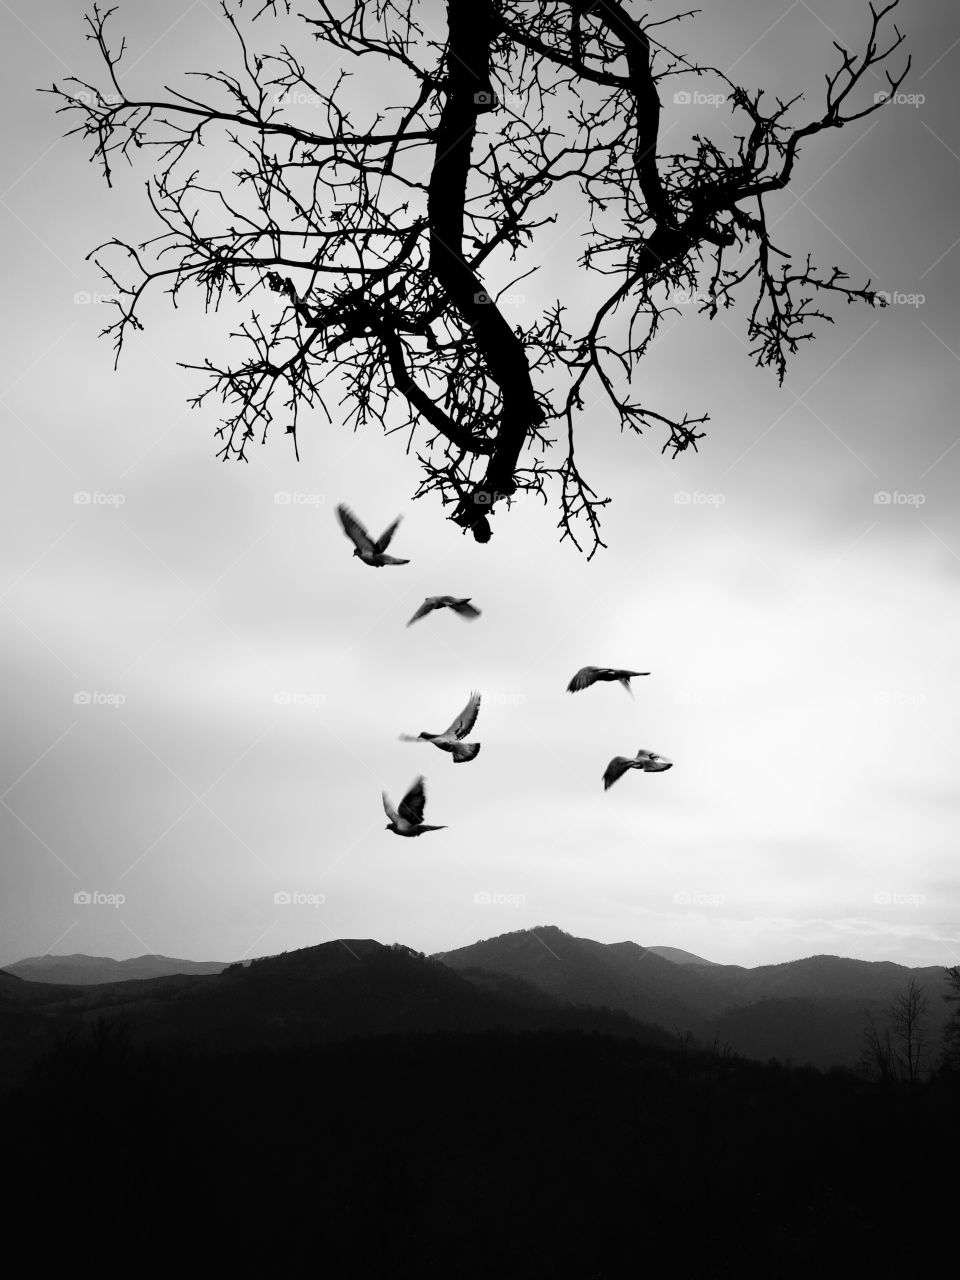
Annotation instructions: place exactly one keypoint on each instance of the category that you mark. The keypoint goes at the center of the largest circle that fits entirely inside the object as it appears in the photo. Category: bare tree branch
(366, 246)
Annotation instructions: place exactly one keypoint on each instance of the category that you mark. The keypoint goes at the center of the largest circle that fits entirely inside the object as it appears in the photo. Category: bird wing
(427, 607)
(620, 675)
(465, 608)
(384, 540)
(583, 679)
(617, 767)
(354, 529)
(388, 808)
(466, 719)
(412, 804)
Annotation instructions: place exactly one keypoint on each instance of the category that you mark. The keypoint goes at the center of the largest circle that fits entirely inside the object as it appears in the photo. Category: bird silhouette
(408, 820)
(647, 761)
(457, 604)
(449, 740)
(370, 552)
(587, 676)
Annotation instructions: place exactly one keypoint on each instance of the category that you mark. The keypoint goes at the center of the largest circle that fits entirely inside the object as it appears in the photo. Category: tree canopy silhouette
(364, 245)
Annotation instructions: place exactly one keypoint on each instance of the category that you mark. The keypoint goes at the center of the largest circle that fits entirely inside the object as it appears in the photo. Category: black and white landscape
(473, 465)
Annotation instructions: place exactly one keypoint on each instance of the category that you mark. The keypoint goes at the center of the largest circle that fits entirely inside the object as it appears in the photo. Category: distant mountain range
(84, 970)
(805, 1011)
(314, 996)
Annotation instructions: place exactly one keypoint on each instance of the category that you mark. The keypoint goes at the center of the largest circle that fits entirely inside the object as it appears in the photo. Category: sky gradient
(204, 690)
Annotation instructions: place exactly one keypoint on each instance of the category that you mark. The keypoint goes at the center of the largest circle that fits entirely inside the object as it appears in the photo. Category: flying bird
(647, 761)
(458, 605)
(587, 676)
(408, 820)
(370, 552)
(450, 739)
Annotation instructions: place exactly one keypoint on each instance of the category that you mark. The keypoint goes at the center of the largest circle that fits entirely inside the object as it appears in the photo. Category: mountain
(620, 975)
(317, 995)
(808, 1011)
(678, 956)
(86, 970)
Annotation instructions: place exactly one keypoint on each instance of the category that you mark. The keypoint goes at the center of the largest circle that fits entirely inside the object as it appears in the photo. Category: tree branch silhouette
(365, 249)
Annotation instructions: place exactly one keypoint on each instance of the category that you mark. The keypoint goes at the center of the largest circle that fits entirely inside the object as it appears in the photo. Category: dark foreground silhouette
(492, 1153)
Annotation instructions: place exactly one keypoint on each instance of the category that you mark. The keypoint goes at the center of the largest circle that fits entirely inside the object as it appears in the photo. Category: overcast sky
(802, 635)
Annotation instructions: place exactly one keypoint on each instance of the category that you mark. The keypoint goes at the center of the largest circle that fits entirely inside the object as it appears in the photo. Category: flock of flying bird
(407, 818)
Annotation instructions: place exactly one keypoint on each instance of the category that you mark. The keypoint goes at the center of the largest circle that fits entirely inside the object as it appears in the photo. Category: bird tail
(465, 751)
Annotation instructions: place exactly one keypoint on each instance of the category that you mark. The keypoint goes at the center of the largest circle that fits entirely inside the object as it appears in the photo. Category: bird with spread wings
(587, 676)
(451, 738)
(370, 552)
(407, 820)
